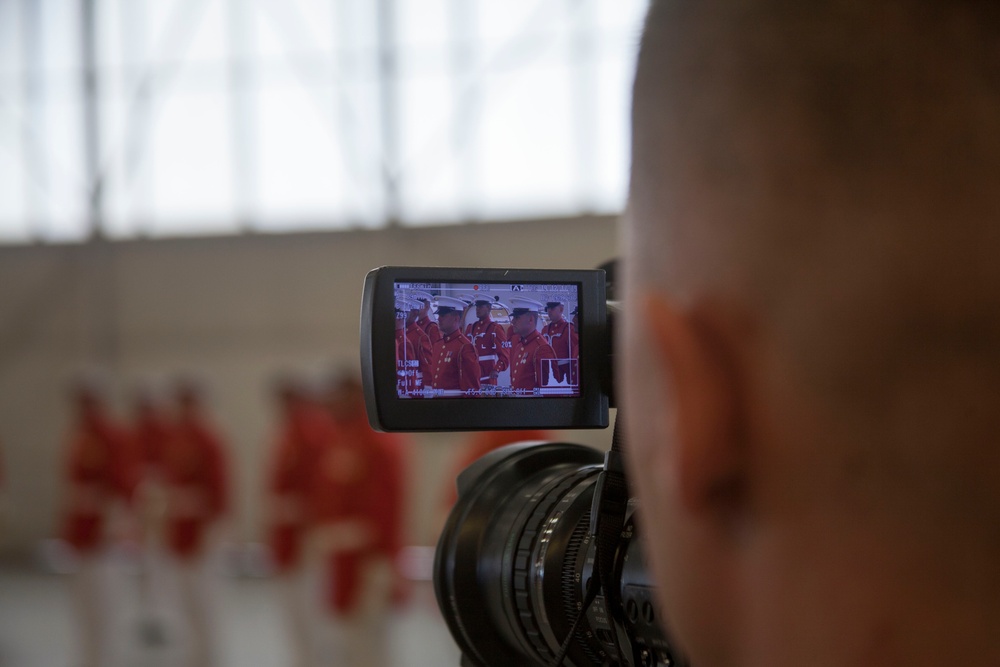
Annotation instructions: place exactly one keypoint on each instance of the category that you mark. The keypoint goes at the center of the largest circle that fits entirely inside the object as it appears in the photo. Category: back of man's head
(812, 266)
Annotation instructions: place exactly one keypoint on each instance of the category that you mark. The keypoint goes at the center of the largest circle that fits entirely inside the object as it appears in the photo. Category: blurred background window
(147, 118)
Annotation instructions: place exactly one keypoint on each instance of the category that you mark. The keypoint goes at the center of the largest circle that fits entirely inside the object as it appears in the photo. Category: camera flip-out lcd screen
(474, 349)
(486, 340)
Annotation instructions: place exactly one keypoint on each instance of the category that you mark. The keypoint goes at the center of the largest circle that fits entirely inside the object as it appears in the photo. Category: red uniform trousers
(360, 479)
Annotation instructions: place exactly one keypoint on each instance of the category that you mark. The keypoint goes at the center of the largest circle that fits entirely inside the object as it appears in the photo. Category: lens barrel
(512, 562)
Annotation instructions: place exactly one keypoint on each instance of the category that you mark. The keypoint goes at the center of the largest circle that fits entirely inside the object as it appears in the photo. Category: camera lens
(514, 557)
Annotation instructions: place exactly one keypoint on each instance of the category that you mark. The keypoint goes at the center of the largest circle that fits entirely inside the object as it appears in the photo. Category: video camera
(539, 562)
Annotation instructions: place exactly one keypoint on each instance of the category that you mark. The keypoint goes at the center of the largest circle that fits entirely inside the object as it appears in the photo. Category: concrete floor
(36, 627)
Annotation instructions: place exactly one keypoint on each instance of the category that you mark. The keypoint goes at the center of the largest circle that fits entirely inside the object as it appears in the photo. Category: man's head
(482, 309)
(450, 312)
(524, 315)
(555, 311)
(812, 363)
(524, 323)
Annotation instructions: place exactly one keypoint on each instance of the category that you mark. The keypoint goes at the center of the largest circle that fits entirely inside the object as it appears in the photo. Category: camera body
(539, 562)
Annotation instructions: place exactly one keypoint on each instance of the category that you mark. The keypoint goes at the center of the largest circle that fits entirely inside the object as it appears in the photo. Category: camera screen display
(486, 340)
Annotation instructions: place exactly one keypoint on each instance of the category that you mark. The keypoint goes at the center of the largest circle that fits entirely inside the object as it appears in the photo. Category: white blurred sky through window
(182, 117)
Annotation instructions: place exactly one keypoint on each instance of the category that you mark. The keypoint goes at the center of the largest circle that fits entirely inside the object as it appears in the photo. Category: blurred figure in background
(151, 436)
(196, 474)
(304, 431)
(358, 498)
(99, 475)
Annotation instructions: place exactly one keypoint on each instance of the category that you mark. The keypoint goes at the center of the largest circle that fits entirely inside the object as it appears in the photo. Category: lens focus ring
(539, 521)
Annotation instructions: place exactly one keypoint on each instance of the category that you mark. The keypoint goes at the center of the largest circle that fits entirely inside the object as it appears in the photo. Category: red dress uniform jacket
(197, 482)
(532, 363)
(297, 453)
(362, 477)
(101, 469)
(152, 436)
(563, 338)
(488, 337)
(455, 364)
(513, 340)
(422, 346)
(409, 379)
(430, 328)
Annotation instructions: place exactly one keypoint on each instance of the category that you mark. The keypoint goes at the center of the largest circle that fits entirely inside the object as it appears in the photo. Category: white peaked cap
(421, 296)
(451, 302)
(403, 303)
(526, 304)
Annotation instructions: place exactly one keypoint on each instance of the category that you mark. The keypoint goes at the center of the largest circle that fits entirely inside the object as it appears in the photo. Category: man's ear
(692, 357)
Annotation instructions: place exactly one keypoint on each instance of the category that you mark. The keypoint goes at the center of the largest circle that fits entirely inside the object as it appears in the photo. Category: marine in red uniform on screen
(532, 364)
(424, 321)
(563, 338)
(454, 359)
(489, 339)
(409, 378)
(421, 343)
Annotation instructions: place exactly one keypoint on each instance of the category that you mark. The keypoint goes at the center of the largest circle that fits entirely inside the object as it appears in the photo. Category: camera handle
(607, 519)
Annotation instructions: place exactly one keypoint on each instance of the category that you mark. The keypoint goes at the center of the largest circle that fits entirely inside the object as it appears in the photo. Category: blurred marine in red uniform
(151, 435)
(531, 366)
(489, 339)
(196, 477)
(305, 429)
(421, 343)
(358, 504)
(100, 477)
(424, 320)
